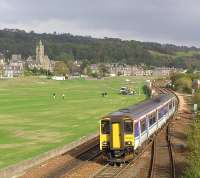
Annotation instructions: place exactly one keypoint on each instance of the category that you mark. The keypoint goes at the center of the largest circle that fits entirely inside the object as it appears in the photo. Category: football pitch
(33, 122)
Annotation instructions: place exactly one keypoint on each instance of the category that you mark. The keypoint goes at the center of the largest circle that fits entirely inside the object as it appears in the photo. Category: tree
(103, 70)
(70, 65)
(88, 71)
(63, 56)
(61, 68)
(84, 66)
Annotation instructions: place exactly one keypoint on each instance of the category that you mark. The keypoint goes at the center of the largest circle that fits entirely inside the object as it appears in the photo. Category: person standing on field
(63, 96)
(54, 95)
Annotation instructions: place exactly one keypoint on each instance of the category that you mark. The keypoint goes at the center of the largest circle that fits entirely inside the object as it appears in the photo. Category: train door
(116, 135)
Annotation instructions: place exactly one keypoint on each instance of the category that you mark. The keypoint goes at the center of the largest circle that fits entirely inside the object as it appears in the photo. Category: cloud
(166, 21)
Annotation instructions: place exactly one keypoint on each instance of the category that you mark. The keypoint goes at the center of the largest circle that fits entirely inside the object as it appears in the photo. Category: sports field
(32, 122)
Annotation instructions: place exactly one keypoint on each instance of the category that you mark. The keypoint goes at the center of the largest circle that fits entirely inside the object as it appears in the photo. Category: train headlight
(128, 143)
(104, 143)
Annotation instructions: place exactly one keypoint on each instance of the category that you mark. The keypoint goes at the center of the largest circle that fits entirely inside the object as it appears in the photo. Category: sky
(164, 21)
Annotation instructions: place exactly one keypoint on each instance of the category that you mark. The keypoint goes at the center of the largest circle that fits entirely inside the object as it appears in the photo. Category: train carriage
(124, 131)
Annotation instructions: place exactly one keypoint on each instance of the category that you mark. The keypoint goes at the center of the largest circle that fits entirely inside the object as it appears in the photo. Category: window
(128, 127)
(163, 111)
(152, 119)
(136, 129)
(105, 129)
(170, 105)
(143, 125)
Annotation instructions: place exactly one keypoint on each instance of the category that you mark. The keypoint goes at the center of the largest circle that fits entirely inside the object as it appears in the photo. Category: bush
(95, 75)
(184, 84)
(196, 97)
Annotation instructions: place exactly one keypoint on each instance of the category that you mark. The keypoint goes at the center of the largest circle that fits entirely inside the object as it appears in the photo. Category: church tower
(40, 53)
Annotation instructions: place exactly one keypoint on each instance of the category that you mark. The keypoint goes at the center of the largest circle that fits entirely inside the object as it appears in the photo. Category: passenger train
(123, 132)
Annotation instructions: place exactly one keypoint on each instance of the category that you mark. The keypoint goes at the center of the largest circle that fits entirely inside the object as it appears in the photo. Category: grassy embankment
(183, 83)
(32, 122)
(193, 171)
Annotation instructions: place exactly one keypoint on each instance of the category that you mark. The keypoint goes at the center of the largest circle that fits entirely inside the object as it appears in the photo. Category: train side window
(152, 119)
(143, 125)
(105, 129)
(170, 105)
(128, 127)
(162, 111)
(136, 129)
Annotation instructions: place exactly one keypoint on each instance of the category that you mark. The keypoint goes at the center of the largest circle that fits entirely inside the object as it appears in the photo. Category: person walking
(63, 96)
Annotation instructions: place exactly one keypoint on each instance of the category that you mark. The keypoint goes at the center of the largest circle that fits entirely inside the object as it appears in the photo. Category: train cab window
(128, 127)
(105, 128)
(143, 125)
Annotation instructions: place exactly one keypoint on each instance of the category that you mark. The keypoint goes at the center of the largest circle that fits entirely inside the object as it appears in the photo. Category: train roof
(141, 109)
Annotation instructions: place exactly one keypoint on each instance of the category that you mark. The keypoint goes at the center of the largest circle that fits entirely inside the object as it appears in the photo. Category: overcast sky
(166, 21)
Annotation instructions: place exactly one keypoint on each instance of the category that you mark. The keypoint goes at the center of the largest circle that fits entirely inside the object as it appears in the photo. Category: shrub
(183, 84)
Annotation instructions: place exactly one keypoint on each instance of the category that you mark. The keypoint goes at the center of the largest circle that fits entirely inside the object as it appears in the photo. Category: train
(124, 132)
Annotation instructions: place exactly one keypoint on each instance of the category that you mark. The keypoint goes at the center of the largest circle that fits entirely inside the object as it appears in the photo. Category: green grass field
(32, 122)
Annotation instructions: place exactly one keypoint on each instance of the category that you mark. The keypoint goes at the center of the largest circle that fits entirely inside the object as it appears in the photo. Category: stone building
(42, 60)
(163, 71)
(17, 67)
(16, 57)
(31, 62)
(128, 70)
(2, 64)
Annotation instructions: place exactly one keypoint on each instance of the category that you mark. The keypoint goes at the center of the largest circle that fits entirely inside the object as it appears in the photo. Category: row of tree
(67, 47)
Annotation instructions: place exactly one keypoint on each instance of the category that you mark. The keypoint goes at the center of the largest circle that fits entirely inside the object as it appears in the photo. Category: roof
(138, 110)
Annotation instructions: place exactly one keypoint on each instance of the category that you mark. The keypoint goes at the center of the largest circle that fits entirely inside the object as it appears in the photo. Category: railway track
(162, 149)
(109, 171)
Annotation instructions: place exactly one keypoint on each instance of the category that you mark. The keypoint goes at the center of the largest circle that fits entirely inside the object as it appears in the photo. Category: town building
(40, 61)
(17, 66)
(16, 57)
(2, 63)
(7, 72)
(163, 71)
(128, 70)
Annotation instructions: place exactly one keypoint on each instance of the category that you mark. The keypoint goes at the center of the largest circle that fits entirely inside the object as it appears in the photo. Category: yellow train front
(116, 138)
(124, 132)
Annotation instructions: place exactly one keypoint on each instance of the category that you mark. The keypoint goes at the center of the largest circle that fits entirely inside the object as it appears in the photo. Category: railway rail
(162, 149)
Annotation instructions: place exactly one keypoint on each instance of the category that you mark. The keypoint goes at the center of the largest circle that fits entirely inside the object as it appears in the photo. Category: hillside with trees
(69, 47)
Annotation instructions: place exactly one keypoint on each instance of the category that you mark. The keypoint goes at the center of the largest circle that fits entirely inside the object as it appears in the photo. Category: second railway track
(162, 156)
